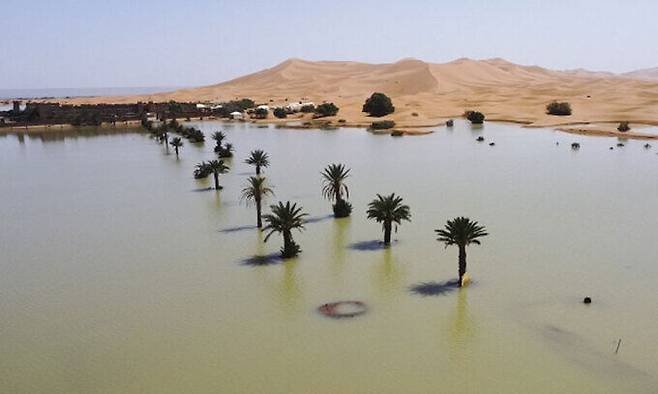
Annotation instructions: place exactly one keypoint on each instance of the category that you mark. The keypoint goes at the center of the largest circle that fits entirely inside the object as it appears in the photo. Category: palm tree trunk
(287, 244)
(338, 196)
(216, 175)
(259, 221)
(257, 170)
(462, 263)
(176, 151)
(387, 233)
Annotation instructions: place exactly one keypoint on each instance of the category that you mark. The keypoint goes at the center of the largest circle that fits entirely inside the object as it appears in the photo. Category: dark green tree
(255, 192)
(461, 231)
(388, 210)
(378, 104)
(334, 187)
(282, 220)
(258, 159)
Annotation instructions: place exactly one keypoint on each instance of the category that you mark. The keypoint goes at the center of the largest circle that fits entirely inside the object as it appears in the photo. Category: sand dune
(427, 93)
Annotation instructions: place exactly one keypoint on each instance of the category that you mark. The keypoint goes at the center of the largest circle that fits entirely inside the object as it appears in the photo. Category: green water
(117, 274)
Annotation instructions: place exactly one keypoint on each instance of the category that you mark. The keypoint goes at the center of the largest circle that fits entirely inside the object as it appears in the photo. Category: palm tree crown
(255, 191)
(177, 143)
(219, 137)
(388, 210)
(259, 159)
(283, 219)
(217, 167)
(333, 179)
(461, 231)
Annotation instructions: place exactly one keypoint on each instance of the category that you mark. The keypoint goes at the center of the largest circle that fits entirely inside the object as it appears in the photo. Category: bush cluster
(558, 108)
(378, 104)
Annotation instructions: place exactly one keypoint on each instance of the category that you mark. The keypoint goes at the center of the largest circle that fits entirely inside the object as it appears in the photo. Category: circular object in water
(587, 300)
(343, 309)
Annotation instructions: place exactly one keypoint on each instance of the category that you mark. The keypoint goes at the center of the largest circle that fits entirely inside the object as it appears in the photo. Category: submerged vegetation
(258, 158)
(474, 117)
(283, 219)
(388, 210)
(382, 125)
(334, 187)
(462, 232)
(255, 192)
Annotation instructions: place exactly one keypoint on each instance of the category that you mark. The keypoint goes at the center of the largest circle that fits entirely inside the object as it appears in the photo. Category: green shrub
(558, 109)
(260, 113)
(307, 109)
(378, 104)
(475, 117)
(623, 127)
(326, 109)
(342, 209)
(450, 123)
(382, 125)
(280, 113)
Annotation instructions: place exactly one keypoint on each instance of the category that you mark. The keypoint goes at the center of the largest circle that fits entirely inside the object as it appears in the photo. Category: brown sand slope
(500, 89)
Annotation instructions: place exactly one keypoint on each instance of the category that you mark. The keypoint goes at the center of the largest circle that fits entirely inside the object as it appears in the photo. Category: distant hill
(650, 74)
(425, 93)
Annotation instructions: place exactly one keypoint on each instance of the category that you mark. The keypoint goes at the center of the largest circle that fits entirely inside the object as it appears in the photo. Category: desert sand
(426, 94)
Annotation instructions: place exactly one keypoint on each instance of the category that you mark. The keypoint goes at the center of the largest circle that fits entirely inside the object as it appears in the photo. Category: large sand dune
(426, 93)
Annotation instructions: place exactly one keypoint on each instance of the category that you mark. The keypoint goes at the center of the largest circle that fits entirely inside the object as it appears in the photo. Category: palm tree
(218, 136)
(334, 187)
(462, 232)
(259, 159)
(283, 219)
(177, 143)
(255, 191)
(217, 167)
(226, 151)
(388, 210)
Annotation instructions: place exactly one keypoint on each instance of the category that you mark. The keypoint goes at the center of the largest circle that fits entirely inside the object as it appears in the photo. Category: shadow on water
(369, 246)
(435, 288)
(203, 189)
(317, 219)
(263, 260)
(236, 229)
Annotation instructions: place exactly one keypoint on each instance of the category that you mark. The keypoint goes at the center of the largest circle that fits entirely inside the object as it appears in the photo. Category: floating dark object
(397, 133)
(450, 123)
(557, 143)
(492, 144)
(611, 148)
(587, 300)
(575, 145)
(647, 146)
(480, 139)
(620, 145)
(343, 309)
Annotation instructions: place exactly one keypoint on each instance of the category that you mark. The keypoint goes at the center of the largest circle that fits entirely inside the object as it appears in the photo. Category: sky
(126, 43)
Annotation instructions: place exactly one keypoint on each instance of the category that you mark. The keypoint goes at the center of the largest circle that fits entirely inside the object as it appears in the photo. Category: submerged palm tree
(217, 167)
(462, 232)
(284, 219)
(388, 210)
(177, 143)
(219, 137)
(259, 159)
(333, 188)
(256, 191)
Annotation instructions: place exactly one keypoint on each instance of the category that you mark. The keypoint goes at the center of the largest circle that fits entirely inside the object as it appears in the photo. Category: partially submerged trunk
(257, 169)
(462, 263)
(387, 233)
(259, 221)
(216, 175)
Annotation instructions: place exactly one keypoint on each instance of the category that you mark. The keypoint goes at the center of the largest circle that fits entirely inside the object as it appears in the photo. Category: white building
(237, 115)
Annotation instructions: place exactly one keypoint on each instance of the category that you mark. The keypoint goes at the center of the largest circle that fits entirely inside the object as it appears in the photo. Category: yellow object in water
(465, 279)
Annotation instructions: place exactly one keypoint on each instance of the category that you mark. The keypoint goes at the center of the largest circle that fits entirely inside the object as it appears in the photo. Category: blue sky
(68, 43)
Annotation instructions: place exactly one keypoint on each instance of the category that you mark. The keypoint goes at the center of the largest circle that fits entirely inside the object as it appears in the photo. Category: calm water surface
(119, 274)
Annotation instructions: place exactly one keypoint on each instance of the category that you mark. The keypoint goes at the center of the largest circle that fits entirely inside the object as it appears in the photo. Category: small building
(237, 115)
(263, 107)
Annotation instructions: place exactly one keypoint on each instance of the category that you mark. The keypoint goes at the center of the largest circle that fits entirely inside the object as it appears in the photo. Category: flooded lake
(120, 273)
